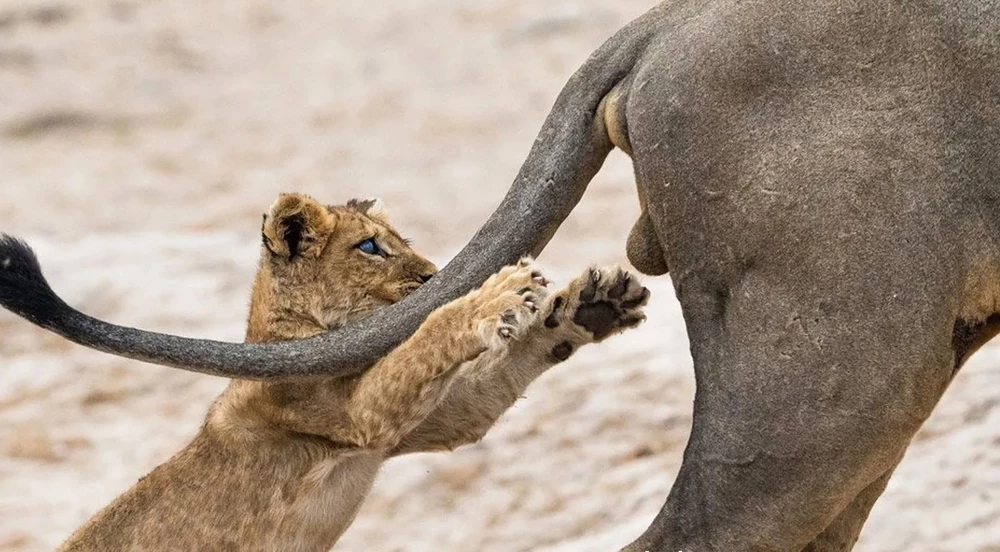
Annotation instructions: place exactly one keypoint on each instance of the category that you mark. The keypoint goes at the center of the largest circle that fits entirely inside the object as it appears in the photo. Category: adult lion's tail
(569, 150)
(24, 290)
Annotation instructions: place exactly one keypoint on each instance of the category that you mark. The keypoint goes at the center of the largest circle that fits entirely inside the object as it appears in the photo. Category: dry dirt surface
(141, 140)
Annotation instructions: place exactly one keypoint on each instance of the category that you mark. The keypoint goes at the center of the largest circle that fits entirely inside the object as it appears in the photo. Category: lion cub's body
(285, 465)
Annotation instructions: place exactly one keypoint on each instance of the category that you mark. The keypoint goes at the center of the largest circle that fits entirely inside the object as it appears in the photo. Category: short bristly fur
(285, 465)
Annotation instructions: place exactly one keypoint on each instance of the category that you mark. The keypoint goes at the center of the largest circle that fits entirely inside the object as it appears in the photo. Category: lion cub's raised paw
(508, 303)
(602, 301)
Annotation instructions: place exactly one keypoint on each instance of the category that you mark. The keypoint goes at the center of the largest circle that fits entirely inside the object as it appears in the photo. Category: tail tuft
(23, 288)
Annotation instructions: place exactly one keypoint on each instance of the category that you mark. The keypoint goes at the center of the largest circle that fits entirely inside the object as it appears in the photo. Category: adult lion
(821, 178)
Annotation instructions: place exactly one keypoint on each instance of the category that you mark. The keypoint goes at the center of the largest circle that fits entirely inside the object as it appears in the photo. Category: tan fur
(981, 296)
(614, 120)
(284, 466)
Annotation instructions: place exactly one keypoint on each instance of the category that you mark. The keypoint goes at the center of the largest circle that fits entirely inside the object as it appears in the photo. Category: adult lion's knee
(643, 248)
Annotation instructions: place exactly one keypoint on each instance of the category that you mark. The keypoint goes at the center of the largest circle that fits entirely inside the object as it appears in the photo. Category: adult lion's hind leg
(842, 534)
(968, 335)
(803, 400)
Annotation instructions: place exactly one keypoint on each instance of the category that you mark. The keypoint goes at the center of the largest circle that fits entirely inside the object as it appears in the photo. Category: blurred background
(141, 140)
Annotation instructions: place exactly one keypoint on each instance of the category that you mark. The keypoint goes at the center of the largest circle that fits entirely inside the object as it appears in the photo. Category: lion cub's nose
(424, 278)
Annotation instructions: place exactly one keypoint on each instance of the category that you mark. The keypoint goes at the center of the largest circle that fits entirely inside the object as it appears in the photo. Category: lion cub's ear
(296, 226)
(372, 207)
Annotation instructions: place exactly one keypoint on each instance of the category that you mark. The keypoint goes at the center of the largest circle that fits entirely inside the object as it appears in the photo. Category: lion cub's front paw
(508, 303)
(602, 301)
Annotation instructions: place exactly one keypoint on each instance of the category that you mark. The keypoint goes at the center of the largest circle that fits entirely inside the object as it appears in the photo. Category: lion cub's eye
(370, 247)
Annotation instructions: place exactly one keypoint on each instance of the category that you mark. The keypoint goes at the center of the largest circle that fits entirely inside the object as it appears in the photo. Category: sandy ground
(139, 143)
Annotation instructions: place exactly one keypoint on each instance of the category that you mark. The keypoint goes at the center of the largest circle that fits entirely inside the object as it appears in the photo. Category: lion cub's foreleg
(596, 305)
(403, 388)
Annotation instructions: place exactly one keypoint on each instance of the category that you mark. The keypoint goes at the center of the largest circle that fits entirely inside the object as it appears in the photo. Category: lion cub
(285, 465)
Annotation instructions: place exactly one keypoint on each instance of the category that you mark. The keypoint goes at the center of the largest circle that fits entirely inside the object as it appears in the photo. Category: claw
(620, 287)
(590, 291)
(631, 320)
(642, 298)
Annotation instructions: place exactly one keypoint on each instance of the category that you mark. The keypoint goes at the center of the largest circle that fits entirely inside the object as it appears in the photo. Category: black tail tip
(18, 260)
(23, 289)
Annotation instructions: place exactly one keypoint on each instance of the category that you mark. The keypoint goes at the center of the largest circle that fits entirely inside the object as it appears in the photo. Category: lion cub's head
(324, 265)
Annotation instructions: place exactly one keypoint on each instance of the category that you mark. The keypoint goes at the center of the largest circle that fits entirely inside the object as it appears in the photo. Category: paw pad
(552, 320)
(562, 351)
(610, 300)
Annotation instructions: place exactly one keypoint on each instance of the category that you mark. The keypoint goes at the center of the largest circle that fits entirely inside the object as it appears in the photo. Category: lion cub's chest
(328, 498)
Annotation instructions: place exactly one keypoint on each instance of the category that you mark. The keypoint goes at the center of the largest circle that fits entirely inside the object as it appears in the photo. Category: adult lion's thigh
(843, 532)
(805, 396)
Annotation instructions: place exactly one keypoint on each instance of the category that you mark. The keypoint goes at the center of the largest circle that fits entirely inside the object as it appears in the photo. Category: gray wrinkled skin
(822, 180)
